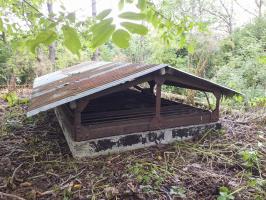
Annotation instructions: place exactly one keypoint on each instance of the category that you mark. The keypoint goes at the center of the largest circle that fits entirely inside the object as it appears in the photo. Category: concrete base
(115, 144)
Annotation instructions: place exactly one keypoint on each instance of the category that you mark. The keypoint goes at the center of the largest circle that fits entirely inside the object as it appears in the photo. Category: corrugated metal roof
(63, 86)
(60, 87)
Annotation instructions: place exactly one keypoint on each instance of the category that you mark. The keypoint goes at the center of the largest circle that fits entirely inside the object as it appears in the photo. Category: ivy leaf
(121, 38)
(121, 4)
(132, 16)
(135, 28)
(102, 36)
(71, 39)
(103, 14)
(141, 4)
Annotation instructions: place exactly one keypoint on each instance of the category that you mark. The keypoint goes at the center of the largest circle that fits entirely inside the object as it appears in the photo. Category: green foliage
(178, 191)
(250, 158)
(132, 16)
(71, 39)
(225, 194)
(45, 37)
(121, 38)
(147, 173)
(142, 4)
(13, 100)
(258, 102)
(135, 28)
(237, 62)
(103, 14)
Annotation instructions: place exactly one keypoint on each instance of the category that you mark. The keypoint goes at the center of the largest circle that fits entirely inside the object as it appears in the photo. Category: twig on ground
(2, 194)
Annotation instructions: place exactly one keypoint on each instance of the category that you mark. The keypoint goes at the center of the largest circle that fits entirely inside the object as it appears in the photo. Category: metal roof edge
(95, 90)
(216, 84)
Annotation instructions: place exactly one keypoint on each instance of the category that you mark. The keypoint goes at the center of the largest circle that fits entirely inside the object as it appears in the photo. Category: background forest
(219, 50)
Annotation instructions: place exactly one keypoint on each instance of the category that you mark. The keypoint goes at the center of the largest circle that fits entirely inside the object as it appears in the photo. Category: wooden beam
(215, 113)
(156, 121)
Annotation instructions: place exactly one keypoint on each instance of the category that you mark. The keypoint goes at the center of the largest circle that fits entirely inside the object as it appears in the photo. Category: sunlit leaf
(103, 14)
(121, 4)
(121, 38)
(132, 16)
(135, 28)
(103, 35)
(99, 26)
(71, 39)
(32, 45)
(141, 4)
(45, 37)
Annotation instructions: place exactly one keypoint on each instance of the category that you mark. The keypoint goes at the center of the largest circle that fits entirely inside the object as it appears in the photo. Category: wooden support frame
(156, 121)
(216, 111)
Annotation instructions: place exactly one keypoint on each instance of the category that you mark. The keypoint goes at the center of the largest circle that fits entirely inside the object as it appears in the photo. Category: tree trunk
(259, 4)
(95, 55)
(52, 47)
(4, 37)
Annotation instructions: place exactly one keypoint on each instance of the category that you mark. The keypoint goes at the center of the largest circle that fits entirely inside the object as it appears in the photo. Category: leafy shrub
(225, 194)
(12, 99)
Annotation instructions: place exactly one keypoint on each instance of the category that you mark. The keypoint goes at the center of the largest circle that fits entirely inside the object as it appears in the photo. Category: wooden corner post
(78, 107)
(156, 121)
(215, 113)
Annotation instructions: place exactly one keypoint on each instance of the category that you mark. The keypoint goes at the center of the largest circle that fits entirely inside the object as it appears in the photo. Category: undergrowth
(228, 164)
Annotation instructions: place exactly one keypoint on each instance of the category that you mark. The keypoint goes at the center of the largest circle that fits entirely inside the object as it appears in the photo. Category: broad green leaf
(129, 1)
(103, 35)
(121, 4)
(71, 39)
(135, 28)
(103, 14)
(141, 4)
(132, 16)
(99, 26)
(45, 37)
(32, 45)
(121, 38)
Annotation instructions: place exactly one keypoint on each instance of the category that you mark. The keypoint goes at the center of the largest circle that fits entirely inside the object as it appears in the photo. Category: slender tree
(52, 47)
(95, 55)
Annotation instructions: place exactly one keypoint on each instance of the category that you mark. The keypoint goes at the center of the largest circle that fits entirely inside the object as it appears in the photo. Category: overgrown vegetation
(229, 164)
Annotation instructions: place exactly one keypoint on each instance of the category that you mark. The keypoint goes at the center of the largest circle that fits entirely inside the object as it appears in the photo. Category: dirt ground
(35, 163)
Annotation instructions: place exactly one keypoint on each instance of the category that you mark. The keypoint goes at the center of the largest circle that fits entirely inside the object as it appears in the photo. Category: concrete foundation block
(116, 144)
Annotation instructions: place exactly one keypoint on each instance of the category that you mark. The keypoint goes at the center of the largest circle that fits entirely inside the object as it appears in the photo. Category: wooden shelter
(103, 106)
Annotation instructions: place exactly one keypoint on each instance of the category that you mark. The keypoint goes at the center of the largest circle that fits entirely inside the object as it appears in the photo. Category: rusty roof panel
(63, 86)
(57, 88)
